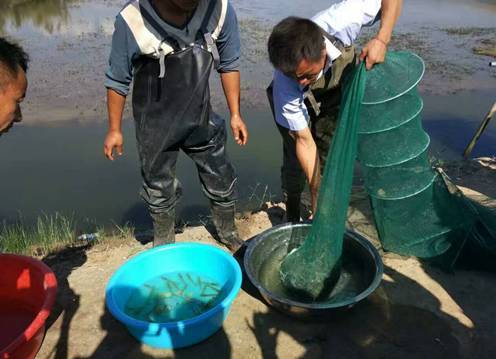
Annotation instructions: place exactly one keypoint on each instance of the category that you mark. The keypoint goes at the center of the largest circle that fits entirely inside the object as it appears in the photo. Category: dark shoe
(223, 218)
(163, 228)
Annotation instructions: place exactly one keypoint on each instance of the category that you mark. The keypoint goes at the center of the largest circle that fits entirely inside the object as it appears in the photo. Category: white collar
(332, 54)
(332, 51)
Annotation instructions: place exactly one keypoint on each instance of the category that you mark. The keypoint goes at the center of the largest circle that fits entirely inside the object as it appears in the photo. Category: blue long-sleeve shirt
(125, 49)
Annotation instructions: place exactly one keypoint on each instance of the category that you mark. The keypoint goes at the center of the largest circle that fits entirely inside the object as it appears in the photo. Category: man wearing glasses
(311, 57)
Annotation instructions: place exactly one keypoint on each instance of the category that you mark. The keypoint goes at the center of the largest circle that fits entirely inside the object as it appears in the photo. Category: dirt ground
(417, 312)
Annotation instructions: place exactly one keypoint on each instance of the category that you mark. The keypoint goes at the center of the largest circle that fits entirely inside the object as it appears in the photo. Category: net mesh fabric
(313, 268)
(417, 209)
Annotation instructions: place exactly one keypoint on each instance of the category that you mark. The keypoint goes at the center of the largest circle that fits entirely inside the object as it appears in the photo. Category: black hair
(292, 40)
(12, 56)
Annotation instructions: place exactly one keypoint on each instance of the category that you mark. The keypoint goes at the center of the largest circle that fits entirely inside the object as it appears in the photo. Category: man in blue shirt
(168, 48)
(310, 58)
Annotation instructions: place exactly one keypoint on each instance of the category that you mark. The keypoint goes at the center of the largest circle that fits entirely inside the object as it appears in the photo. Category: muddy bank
(418, 311)
(69, 43)
(67, 85)
(478, 174)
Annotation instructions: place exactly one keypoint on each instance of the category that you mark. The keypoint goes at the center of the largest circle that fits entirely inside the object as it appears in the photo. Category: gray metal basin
(361, 273)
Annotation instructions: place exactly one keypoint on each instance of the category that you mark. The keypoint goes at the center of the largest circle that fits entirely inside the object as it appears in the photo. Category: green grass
(50, 233)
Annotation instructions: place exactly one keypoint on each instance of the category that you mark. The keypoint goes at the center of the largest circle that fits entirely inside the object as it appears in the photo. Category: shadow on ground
(379, 327)
(118, 343)
(480, 343)
(67, 302)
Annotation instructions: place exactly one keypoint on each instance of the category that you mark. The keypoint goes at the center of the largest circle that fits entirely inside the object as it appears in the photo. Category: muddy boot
(223, 218)
(163, 228)
(293, 208)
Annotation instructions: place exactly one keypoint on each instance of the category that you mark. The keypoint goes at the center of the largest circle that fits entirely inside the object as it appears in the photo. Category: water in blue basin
(173, 297)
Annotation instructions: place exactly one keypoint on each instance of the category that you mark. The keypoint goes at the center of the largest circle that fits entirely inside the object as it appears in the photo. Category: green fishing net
(314, 267)
(417, 209)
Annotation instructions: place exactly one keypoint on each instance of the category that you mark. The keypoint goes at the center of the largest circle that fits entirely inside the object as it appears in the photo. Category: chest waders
(322, 100)
(172, 112)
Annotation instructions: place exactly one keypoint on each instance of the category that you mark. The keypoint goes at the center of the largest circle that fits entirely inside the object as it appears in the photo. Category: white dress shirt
(343, 20)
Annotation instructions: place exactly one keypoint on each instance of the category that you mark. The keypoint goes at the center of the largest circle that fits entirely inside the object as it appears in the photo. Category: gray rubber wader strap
(161, 61)
(207, 36)
(171, 41)
(212, 48)
(308, 94)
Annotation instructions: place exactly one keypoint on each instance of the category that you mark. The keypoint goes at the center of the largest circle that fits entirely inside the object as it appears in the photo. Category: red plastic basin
(27, 293)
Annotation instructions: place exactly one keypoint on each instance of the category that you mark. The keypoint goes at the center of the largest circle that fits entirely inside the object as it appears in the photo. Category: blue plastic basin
(201, 260)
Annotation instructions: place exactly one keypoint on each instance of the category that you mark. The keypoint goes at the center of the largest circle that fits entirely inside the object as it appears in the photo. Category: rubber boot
(223, 218)
(293, 208)
(163, 228)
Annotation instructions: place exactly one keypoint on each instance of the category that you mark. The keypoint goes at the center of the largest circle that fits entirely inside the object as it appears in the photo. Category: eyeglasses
(308, 76)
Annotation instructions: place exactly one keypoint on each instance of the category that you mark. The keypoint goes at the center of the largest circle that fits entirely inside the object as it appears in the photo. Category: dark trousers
(206, 147)
(322, 127)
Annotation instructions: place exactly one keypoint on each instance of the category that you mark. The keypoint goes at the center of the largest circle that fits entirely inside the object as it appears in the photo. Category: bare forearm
(306, 152)
(390, 12)
(115, 107)
(230, 84)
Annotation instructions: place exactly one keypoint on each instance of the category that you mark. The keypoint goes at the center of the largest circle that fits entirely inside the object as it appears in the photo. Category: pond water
(62, 168)
(53, 161)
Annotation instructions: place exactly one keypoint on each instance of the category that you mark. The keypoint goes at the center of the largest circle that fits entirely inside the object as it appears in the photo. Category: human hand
(113, 140)
(374, 52)
(239, 130)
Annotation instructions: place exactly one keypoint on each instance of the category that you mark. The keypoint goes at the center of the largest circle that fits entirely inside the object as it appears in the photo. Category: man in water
(310, 58)
(169, 47)
(13, 83)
